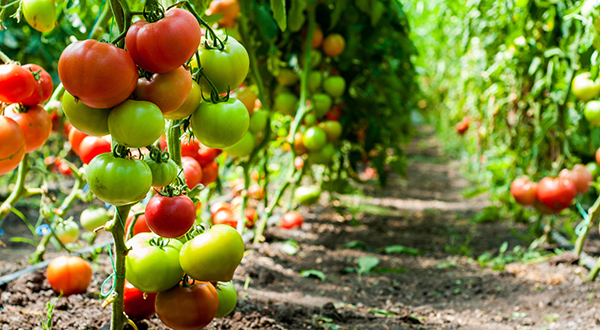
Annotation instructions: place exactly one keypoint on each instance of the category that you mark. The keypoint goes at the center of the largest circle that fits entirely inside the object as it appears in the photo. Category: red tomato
(189, 308)
(216, 207)
(170, 217)
(298, 163)
(207, 155)
(210, 173)
(192, 171)
(62, 167)
(463, 126)
(334, 113)
(69, 275)
(161, 46)
(137, 304)
(167, 90)
(524, 191)
(35, 123)
(225, 217)
(12, 148)
(556, 193)
(75, 138)
(598, 156)
(92, 146)
(110, 73)
(141, 226)
(580, 175)
(251, 217)
(43, 89)
(16, 83)
(256, 191)
(292, 219)
(190, 148)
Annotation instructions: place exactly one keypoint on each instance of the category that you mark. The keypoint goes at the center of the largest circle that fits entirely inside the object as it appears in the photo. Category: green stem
(97, 29)
(262, 223)
(216, 41)
(242, 219)
(593, 272)
(592, 214)
(5, 58)
(117, 229)
(19, 191)
(246, 41)
(174, 141)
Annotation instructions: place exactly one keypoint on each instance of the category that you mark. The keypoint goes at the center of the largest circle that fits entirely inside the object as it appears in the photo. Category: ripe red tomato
(16, 83)
(207, 155)
(161, 46)
(463, 126)
(75, 138)
(12, 148)
(334, 113)
(35, 123)
(251, 217)
(191, 308)
(225, 217)
(230, 10)
(298, 162)
(598, 156)
(190, 148)
(556, 193)
(92, 146)
(141, 226)
(291, 219)
(580, 175)
(216, 207)
(210, 173)
(524, 191)
(170, 217)
(110, 73)
(334, 45)
(137, 304)
(256, 191)
(192, 171)
(43, 89)
(167, 90)
(69, 275)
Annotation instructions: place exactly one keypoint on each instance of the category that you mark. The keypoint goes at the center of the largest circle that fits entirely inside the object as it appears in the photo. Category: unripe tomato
(334, 45)
(299, 143)
(88, 120)
(321, 103)
(287, 77)
(40, 14)
(292, 219)
(189, 307)
(35, 123)
(258, 121)
(136, 124)
(43, 90)
(167, 90)
(225, 68)
(220, 125)
(593, 168)
(248, 97)
(335, 86)
(243, 147)
(67, 231)
(524, 191)
(16, 83)
(170, 217)
(227, 298)
(317, 38)
(190, 105)
(163, 173)
(314, 139)
(322, 156)
(286, 103)
(585, 88)
(580, 175)
(69, 275)
(333, 129)
(592, 112)
(92, 218)
(315, 79)
(307, 195)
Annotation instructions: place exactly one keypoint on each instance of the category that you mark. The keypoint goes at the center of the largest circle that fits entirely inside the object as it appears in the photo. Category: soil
(440, 285)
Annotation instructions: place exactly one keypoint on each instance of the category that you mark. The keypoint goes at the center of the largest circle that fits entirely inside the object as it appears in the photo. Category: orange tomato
(334, 45)
(12, 148)
(69, 275)
(229, 8)
(35, 123)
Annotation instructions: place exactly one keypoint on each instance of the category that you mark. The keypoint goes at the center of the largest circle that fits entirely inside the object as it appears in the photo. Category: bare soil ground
(440, 287)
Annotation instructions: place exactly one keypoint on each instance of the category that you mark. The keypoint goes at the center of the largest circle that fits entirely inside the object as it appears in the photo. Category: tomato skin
(229, 8)
(207, 155)
(160, 46)
(243, 147)
(334, 45)
(16, 83)
(210, 173)
(88, 120)
(188, 308)
(135, 305)
(308, 195)
(118, 181)
(141, 226)
(40, 14)
(92, 218)
(292, 219)
(145, 258)
(111, 75)
(67, 231)
(332, 128)
(92, 146)
(335, 86)
(220, 125)
(191, 103)
(36, 125)
(592, 112)
(585, 88)
(75, 138)
(136, 124)
(227, 298)
(170, 217)
(556, 193)
(314, 139)
(248, 97)
(226, 68)
(225, 217)
(43, 90)
(213, 255)
(580, 175)
(167, 90)
(163, 173)
(524, 191)
(192, 171)
(69, 275)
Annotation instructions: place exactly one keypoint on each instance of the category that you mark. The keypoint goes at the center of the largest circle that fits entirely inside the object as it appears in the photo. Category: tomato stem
(592, 213)
(118, 231)
(217, 43)
(4, 58)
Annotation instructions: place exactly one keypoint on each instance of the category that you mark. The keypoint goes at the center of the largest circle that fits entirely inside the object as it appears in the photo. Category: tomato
(188, 308)
(321, 103)
(592, 112)
(335, 86)
(258, 121)
(598, 156)
(152, 263)
(307, 195)
(251, 217)
(580, 175)
(16, 83)
(63, 168)
(141, 226)
(137, 304)
(40, 14)
(163, 172)
(12, 148)
(210, 173)
(170, 217)
(118, 181)
(69, 275)
(317, 38)
(243, 147)
(292, 219)
(314, 139)
(225, 217)
(35, 123)
(213, 255)
(161, 46)
(524, 191)
(67, 231)
(556, 193)
(593, 168)
(256, 191)
(585, 88)
(226, 68)
(315, 59)
(298, 163)
(207, 155)
(92, 218)
(287, 77)
(334, 45)
(192, 171)
(315, 79)
(248, 97)
(299, 143)
(191, 103)
(227, 298)
(334, 113)
(92, 146)
(323, 156)
(189, 147)
(167, 90)
(75, 138)
(220, 125)
(88, 120)
(136, 124)
(462, 126)
(43, 90)
(286, 103)
(110, 73)
(230, 10)
(333, 129)
(218, 206)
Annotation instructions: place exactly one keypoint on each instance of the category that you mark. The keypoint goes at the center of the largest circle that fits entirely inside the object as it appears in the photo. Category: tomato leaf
(340, 6)
(289, 247)
(296, 17)
(402, 249)
(278, 8)
(313, 272)
(366, 264)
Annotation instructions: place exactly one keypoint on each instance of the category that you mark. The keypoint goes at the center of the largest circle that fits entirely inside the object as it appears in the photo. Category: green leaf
(23, 240)
(366, 264)
(296, 17)
(278, 8)
(313, 272)
(290, 247)
(268, 26)
(200, 5)
(340, 6)
(402, 249)
(356, 245)
(381, 312)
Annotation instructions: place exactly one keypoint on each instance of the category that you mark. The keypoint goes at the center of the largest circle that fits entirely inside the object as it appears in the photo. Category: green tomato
(89, 120)
(307, 195)
(332, 128)
(315, 79)
(592, 112)
(163, 173)
(593, 168)
(585, 88)
(220, 125)
(225, 68)
(118, 181)
(310, 119)
(335, 86)
(67, 231)
(190, 104)
(314, 138)
(315, 59)
(136, 124)
(323, 156)
(321, 104)
(92, 218)
(258, 121)
(227, 298)
(286, 103)
(40, 14)
(243, 147)
(213, 255)
(287, 77)
(153, 263)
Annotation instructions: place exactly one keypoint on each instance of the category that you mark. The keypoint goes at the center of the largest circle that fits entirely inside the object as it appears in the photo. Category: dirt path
(436, 285)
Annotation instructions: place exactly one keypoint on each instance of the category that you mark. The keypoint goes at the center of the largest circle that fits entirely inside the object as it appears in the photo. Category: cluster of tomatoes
(25, 125)
(587, 90)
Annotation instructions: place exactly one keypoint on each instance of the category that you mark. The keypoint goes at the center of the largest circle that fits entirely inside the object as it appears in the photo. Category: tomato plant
(170, 217)
(188, 307)
(69, 275)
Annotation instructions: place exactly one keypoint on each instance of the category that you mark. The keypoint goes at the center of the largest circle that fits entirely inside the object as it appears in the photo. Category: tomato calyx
(153, 12)
(159, 242)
